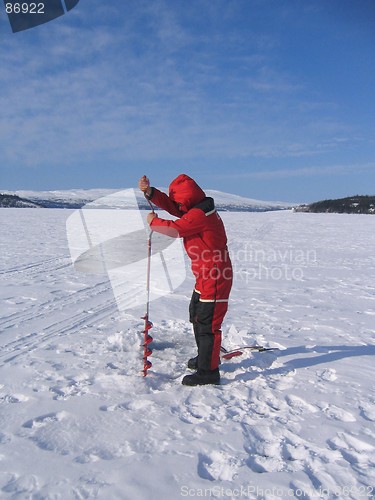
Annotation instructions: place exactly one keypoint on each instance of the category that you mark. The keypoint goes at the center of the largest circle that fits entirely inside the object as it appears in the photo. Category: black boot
(202, 377)
(193, 363)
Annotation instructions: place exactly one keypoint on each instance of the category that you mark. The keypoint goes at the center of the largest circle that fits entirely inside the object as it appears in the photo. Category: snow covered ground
(77, 419)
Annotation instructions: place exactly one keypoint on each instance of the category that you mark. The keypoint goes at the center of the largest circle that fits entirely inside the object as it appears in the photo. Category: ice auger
(147, 339)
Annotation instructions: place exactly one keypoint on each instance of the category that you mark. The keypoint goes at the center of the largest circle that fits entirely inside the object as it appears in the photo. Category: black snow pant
(207, 317)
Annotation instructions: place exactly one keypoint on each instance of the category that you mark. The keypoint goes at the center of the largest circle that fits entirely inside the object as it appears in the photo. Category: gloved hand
(144, 185)
(151, 217)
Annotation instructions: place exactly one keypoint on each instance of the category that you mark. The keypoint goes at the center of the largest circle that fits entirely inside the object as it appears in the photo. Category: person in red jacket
(205, 241)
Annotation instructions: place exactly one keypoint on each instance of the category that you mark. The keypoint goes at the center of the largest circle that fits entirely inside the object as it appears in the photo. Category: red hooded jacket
(203, 234)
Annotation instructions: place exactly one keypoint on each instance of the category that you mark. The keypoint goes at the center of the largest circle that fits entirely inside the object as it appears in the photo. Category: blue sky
(270, 99)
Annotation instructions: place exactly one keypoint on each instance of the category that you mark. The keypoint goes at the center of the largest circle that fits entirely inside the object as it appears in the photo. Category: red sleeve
(163, 201)
(191, 223)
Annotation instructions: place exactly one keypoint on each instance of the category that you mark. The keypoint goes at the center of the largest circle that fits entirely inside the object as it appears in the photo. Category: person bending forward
(205, 242)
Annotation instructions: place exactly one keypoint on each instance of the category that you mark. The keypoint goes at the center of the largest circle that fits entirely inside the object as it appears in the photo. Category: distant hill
(77, 198)
(14, 201)
(350, 205)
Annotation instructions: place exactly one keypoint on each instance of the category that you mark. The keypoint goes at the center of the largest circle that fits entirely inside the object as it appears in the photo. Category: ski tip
(230, 355)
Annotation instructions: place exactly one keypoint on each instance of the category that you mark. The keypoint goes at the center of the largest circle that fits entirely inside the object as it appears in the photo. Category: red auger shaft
(146, 341)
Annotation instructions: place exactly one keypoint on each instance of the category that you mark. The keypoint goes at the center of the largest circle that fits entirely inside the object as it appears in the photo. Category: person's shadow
(325, 354)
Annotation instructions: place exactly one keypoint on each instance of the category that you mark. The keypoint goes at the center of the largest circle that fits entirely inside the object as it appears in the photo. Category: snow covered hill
(77, 419)
(76, 198)
(14, 201)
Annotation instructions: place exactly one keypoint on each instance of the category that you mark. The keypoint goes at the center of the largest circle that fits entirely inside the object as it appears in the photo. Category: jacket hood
(185, 191)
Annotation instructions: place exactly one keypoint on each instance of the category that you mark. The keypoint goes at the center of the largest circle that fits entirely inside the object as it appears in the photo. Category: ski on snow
(238, 351)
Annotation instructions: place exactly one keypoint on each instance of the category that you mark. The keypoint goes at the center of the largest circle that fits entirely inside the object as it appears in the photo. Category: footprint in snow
(333, 412)
(13, 398)
(21, 486)
(71, 387)
(191, 414)
(299, 406)
(328, 375)
(85, 440)
(355, 451)
(264, 449)
(4, 438)
(141, 405)
(44, 420)
(195, 409)
(368, 411)
(274, 450)
(218, 466)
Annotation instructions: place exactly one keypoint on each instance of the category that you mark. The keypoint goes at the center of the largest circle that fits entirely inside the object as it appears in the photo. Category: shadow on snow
(317, 355)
